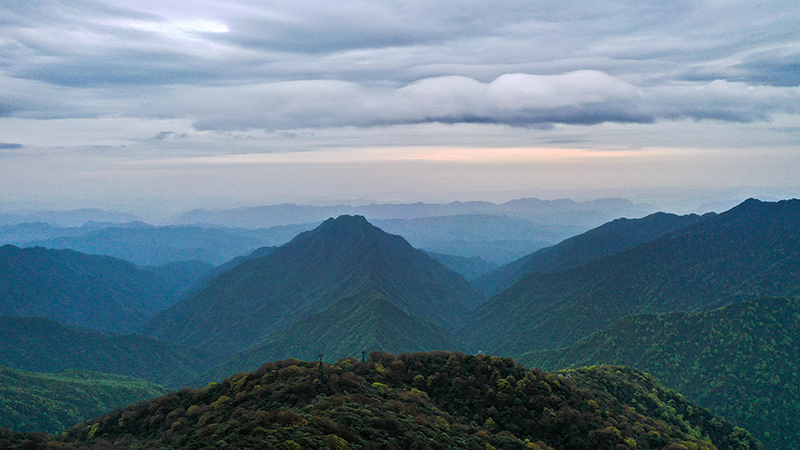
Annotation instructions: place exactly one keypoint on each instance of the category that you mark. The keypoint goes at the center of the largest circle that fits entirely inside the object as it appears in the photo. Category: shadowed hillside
(96, 292)
(612, 237)
(340, 258)
(741, 361)
(751, 251)
(366, 322)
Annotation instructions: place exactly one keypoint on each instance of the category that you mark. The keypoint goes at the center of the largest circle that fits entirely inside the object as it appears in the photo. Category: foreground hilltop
(433, 400)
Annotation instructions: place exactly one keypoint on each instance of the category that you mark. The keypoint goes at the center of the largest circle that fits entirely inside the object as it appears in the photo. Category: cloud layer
(239, 65)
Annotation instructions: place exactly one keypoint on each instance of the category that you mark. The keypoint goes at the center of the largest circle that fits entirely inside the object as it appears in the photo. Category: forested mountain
(608, 239)
(95, 292)
(750, 251)
(340, 258)
(37, 344)
(741, 361)
(434, 400)
(54, 402)
(366, 322)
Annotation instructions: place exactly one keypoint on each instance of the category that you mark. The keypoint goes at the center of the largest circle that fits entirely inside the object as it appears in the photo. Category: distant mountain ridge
(340, 258)
(607, 239)
(750, 251)
(96, 292)
(151, 245)
(284, 214)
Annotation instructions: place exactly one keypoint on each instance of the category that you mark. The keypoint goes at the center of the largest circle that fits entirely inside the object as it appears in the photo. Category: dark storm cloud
(242, 65)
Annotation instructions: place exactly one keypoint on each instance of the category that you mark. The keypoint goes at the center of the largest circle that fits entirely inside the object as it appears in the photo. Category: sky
(146, 105)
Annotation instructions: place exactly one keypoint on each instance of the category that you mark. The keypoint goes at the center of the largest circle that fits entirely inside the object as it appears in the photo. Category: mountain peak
(338, 259)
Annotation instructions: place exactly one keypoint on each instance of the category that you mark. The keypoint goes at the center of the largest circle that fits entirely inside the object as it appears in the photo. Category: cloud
(582, 97)
(10, 146)
(239, 65)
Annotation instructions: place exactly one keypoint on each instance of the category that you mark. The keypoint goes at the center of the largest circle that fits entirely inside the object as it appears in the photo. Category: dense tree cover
(54, 402)
(41, 345)
(366, 322)
(741, 361)
(751, 251)
(95, 292)
(433, 400)
(608, 239)
(340, 258)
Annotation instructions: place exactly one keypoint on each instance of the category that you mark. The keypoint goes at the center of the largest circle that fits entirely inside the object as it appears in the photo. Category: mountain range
(607, 239)
(91, 291)
(340, 258)
(681, 293)
(749, 251)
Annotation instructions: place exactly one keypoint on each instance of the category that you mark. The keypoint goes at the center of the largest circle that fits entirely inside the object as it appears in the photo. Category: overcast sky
(170, 105)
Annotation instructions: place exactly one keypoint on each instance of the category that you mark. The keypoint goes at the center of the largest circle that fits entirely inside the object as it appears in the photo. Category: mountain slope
(54, 402)
(432, 401)
(468, 267)
(608, 239)
(96, 292)
(366, 322)
(751, 251)
(741, 361)
(340, 258)
(37, 344)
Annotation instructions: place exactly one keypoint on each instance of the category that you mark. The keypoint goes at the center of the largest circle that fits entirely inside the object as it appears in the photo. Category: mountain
(563, 211)
(37, 344)
(495, 238)
(96, 292)
(741, 361)
(468, 267)
(70, 218)
(47, 402)
(750, 251)
(149, 245)
(434, 400)
(608, 239)
(366, 322)
(182, 276)
(340, 258)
